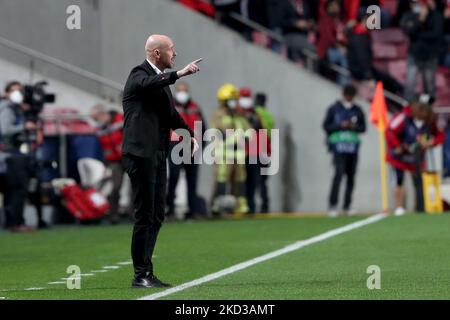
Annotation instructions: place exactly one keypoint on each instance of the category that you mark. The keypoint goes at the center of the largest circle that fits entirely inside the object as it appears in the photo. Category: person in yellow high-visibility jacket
(230, 172)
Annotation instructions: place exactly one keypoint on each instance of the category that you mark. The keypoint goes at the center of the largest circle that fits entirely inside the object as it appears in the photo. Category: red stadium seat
(384, 50)
(261, 39)
(390, 35)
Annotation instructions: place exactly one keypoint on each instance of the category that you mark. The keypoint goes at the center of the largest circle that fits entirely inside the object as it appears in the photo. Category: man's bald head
(156, 41)
(160, 51)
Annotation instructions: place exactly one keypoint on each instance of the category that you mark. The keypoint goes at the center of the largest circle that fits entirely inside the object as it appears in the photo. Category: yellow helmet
(227, 92)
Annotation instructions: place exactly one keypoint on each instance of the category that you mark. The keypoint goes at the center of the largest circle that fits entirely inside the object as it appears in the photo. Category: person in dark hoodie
(360, 57)
(423, 24)
(294, 20)
(343, 123)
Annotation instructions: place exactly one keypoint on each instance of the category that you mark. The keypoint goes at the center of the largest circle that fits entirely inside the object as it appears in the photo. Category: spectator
(224, 9)
(353, 7)
(268, 123)
(111, 138)
(294, 20)
(409, 134)
(331, 39)
(343, 123)
(424, 26)
(255, 10)
(191, 113)
(13, 132)
(403, 7)
(360, 57)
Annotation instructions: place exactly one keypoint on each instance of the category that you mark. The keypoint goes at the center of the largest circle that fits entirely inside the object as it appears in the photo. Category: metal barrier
(313, 58)
(61, 64)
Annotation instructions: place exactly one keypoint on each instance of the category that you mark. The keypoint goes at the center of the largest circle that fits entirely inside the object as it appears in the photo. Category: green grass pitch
(412, 252)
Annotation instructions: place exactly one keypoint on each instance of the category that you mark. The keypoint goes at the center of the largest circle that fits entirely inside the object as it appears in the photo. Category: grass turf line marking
(111, 267)
(57, 282)
(243, 265)
(33, 289)
(96, 271)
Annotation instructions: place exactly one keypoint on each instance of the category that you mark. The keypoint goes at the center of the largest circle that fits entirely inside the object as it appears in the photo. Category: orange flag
(378, 109)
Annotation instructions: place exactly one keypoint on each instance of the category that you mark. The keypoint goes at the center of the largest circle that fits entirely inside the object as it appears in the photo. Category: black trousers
(15, 189)
(263, 189)
(418, 187)
(256, 181)
(191, 171)
(117, 178)
(148, 182)
(251, 184)
(344, 164)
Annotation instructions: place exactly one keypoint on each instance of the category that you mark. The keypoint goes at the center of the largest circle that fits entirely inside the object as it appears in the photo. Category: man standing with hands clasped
(344, 122)
(149, 116)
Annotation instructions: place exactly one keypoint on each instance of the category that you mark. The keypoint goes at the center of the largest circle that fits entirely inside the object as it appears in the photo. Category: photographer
(14, 180)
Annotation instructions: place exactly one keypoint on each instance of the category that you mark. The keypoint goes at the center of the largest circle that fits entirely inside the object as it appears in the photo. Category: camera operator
(14, 128)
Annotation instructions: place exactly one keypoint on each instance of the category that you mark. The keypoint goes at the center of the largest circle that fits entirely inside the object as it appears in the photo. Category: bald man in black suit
(149, 116)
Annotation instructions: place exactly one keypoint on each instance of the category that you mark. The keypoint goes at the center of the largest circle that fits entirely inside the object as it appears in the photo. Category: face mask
(347, 105)
(16, 97)
(231, 104)
(182, 97)
(419, 123)
(246, 102)
(417, 8)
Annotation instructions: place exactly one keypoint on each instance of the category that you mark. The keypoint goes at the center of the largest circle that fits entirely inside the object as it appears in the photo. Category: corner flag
(379, 117)
(378, 109)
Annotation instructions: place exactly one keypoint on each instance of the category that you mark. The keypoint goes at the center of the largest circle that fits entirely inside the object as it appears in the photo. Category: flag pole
(383, 172)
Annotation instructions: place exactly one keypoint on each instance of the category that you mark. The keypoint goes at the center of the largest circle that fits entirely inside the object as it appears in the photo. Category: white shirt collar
(154, 67)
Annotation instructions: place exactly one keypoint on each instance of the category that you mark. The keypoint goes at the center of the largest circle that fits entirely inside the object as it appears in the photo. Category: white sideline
(292, 247)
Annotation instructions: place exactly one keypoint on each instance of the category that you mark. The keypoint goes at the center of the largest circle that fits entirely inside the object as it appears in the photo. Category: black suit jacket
(149, 111)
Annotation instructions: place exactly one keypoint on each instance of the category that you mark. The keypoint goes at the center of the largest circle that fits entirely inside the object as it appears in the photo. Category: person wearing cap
(229, 151)
(408, 135)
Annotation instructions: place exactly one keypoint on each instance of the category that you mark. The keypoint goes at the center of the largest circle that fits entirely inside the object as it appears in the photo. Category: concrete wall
(41, 25)
(114, 43)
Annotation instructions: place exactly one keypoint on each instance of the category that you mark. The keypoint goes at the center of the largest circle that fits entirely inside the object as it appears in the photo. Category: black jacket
(337, 113)
(359, 48)
(282, 14)
(149, 112)
(425, 37)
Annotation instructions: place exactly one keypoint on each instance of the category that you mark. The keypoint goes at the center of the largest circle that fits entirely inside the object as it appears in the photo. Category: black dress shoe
(141, 283)
(149, 282)
(156, 283)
